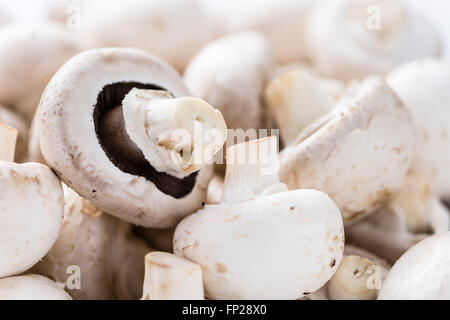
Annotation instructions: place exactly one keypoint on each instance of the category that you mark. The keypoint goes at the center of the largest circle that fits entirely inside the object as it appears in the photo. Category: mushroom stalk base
(8, 137)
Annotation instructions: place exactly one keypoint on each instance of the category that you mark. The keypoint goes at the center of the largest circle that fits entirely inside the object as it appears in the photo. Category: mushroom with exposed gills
(273, 243)
(358, 153)
(117, 126)
(31, 287)
(170, 277)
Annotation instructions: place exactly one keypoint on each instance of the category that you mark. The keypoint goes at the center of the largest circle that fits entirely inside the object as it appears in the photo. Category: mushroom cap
(85, 86)
(230, 73)
(424, 88)
(358, 154)
(279, 246)
(32, 207)
(29, 56)
(421, 273)
(173, 30)
(31, 287)
(361, 49)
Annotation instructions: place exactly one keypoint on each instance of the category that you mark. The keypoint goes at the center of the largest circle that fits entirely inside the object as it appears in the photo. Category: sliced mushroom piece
(29, 56)
(32, 206)
(169, 277)
(230, 73)
(422, 273)
(8, 137)
(31, 287)
(14, 120)
(353, 38)
(83, 132)
(358, 154)
(272, 244)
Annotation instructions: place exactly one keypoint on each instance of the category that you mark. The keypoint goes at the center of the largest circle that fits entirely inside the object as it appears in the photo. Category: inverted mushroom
(358, 154)
(31, 287)
(111, 154)
(272, 243)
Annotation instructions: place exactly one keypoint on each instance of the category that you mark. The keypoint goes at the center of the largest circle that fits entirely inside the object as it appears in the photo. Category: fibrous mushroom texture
(84, 136)
(29, 56)
(283, 22)
(354, 38)
(106, 254)
(358, 154)
(32, 207)
(14, 120)
(230, 73)
(272, 243)
(31, 287)
(173, 30)
(421, 273)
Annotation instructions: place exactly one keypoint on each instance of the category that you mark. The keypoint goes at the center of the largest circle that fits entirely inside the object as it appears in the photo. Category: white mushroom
(230, 73)
(421, 273)
(215, 190)
(173, 30)
(84, 135)
(354, 38)
(169, 277)
(32, 207)
(14, 120)
(8, 138)
(31, 287)
(102, 249)
(272, 244)
(358, 154)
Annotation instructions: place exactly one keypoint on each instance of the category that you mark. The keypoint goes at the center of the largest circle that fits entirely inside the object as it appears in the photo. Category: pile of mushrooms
(200, 150)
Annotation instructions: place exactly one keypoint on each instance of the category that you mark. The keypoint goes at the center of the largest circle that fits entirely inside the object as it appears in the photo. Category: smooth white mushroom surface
(31, 287)
(421, 273)
(356, 38)
(31, 211)
(358, 154)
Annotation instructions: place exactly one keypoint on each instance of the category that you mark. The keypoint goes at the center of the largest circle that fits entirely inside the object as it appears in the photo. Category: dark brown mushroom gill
(121, 150)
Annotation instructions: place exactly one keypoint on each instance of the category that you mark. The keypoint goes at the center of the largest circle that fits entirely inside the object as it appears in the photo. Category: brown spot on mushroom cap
(221, 268)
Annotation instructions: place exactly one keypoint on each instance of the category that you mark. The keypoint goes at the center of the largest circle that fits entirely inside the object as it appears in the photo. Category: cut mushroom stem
(357, 278)
(252, 167)
(176, 135)
(169, 277)
(8, 137)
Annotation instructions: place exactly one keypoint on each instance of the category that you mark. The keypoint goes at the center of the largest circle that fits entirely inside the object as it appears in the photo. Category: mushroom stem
(169, 277)
(177, 136)
(8, 138)
(252, 167)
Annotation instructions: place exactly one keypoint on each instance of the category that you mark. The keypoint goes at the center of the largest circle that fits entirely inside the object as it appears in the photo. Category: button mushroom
(112, 154)
(358, 154)
(273, 243)
(169, 277)
(354, 38)
(31, 287)
(421, 273)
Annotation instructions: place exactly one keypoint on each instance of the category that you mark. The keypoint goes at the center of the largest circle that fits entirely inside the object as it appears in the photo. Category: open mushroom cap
(421, 273)
(79, 143)
(358, 154)
(354, 38)
(31, 287)
(32, 207)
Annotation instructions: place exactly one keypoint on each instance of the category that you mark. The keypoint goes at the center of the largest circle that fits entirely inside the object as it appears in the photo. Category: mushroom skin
(32, 206)
(363, 46)
(31, 287)
(422, 273)
(230, 73)
(16, 121)
(358, 154)
(69, 121)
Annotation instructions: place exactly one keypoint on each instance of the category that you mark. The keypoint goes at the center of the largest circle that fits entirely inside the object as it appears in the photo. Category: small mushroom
(273, 243)
(8, 137)
(358, 154)
(169, 277)
(354, 38)
(107, 255)
(230, 73)
(422, 273)
(32, 207)
(31, 287)
(172, 30)
(129, 157)
(29, 56)
(14, 120)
